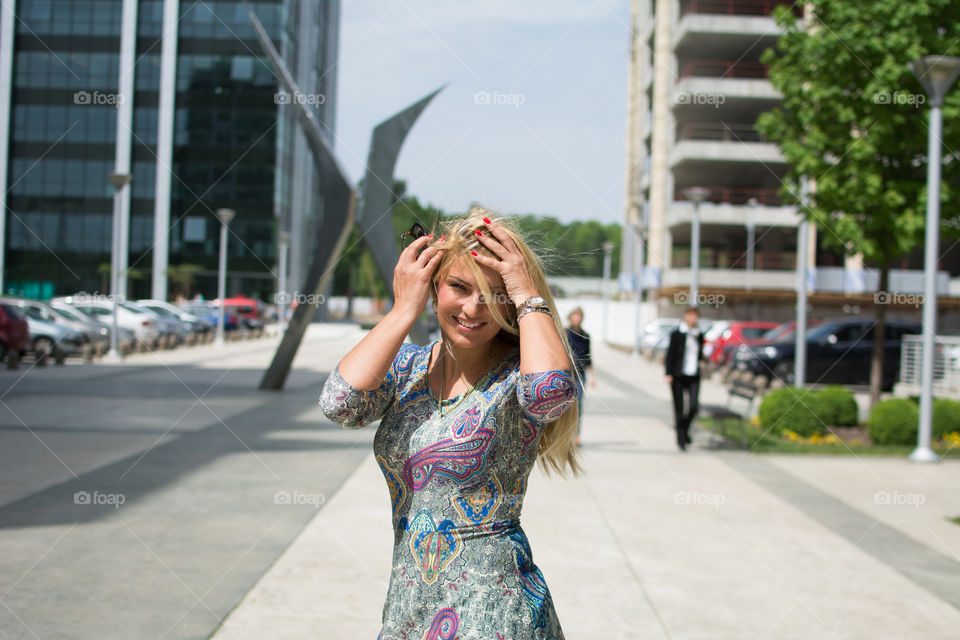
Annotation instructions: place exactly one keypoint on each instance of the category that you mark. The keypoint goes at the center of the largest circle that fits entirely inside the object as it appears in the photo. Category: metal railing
(738, 195)
(946, 365)
(723, 69)
(720, 131)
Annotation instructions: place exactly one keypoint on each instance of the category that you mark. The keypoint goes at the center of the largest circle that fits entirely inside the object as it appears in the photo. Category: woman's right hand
(413, 276)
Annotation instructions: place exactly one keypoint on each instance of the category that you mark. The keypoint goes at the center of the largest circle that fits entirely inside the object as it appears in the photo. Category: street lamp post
(607, 250)
(283, 303)
(119, 181)
(225, 216)
(696, 195)
(937, 74)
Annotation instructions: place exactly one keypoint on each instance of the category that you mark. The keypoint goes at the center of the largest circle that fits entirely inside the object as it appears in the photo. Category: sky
(533, 116)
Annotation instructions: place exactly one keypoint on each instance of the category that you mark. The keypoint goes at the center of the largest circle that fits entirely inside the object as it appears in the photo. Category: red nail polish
(443, 238)
(429, 235)
(474, 253)
(487, 220)
(478, 232)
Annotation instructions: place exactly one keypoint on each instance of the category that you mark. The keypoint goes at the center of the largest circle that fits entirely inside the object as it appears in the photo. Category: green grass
(760, 441)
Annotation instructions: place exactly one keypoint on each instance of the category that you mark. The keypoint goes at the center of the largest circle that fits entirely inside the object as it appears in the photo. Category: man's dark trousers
(690, 385)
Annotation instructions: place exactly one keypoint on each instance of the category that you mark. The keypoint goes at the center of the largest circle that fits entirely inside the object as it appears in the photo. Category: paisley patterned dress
(462, 566)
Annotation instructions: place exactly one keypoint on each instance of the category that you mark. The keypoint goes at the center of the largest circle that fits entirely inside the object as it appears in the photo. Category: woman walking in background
(463, 421)
(579, 341)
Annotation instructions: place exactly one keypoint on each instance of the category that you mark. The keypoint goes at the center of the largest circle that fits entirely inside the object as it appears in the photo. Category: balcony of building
(735, 207)
(737, 7)
(723, 34)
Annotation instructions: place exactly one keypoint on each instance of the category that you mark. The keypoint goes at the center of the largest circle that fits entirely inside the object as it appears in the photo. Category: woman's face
(464, 316)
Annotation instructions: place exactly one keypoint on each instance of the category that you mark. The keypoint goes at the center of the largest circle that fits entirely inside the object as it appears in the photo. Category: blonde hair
(556, 450)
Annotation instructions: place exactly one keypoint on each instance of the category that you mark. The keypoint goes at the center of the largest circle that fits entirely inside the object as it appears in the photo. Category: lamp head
(937, 74)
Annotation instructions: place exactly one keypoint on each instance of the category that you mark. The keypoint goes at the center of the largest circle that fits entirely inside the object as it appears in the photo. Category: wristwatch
(532, 304)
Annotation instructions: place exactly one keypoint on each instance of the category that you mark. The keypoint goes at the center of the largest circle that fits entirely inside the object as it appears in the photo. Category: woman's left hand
(509, 262)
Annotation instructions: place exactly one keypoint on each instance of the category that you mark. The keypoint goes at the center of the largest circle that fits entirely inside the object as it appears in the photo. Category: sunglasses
(415, 232)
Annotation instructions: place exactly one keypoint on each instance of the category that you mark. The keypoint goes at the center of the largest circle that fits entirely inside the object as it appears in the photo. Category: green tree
(853, 120)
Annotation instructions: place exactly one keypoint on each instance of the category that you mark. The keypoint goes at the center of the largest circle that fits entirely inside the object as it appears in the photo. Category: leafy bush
(836, 406)
(946, 417)
(791, 408)
(894, 421)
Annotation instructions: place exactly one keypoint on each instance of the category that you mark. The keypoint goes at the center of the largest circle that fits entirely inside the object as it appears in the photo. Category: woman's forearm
(367, 364)
(541, 348)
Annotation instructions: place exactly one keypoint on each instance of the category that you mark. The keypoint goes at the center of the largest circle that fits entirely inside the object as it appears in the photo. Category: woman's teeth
(469, 325)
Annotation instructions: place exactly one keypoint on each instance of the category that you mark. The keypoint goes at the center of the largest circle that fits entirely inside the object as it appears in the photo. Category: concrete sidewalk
(654, 543)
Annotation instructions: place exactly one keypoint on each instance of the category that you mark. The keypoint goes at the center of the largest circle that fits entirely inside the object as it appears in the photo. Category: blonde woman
(463, 420)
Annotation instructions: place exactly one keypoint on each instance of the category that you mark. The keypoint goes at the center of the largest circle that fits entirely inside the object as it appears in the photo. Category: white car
(144, 326)
(195, 323)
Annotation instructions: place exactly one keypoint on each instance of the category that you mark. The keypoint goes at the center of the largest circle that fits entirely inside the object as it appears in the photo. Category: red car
(14, 334)
(736, 334)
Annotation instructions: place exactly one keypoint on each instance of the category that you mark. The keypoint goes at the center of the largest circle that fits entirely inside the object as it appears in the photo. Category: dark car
(14, 332)
(838, 352)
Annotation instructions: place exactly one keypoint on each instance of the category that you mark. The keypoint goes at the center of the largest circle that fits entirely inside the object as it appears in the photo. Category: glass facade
(233, 145)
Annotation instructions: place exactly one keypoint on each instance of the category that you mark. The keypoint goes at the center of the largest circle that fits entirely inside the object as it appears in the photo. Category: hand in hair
(413, 275)
(509, 262)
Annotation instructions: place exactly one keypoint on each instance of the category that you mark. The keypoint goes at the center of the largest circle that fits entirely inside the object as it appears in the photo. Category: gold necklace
(464, 395)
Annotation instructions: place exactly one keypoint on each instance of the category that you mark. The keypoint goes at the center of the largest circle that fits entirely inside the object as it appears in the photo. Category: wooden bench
(742, 385)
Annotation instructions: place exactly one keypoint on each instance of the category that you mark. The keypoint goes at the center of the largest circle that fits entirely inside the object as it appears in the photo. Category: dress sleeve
(545, 396)
(353, 408)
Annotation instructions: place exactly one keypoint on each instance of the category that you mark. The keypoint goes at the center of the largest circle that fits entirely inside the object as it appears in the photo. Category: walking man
(683, 372)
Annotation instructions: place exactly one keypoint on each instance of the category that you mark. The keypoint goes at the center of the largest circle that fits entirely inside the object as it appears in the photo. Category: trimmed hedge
(791, 408)
(837, 406)
(894, 421)
(946, 417)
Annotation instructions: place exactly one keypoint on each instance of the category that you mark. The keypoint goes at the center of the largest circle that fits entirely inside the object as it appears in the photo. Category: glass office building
(209, 134)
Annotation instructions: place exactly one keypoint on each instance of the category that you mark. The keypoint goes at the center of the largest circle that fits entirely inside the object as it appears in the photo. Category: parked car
(732, 336)
(94, 335)
(144, 327)
(172, 331)
(125, 337)
(654, 332)
(209, 313)
(195, 323)
(14, 330)
(838, 352)
(47, 334)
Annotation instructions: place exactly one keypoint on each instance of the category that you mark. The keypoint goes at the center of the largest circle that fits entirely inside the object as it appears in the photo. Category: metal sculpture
(339, 207)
